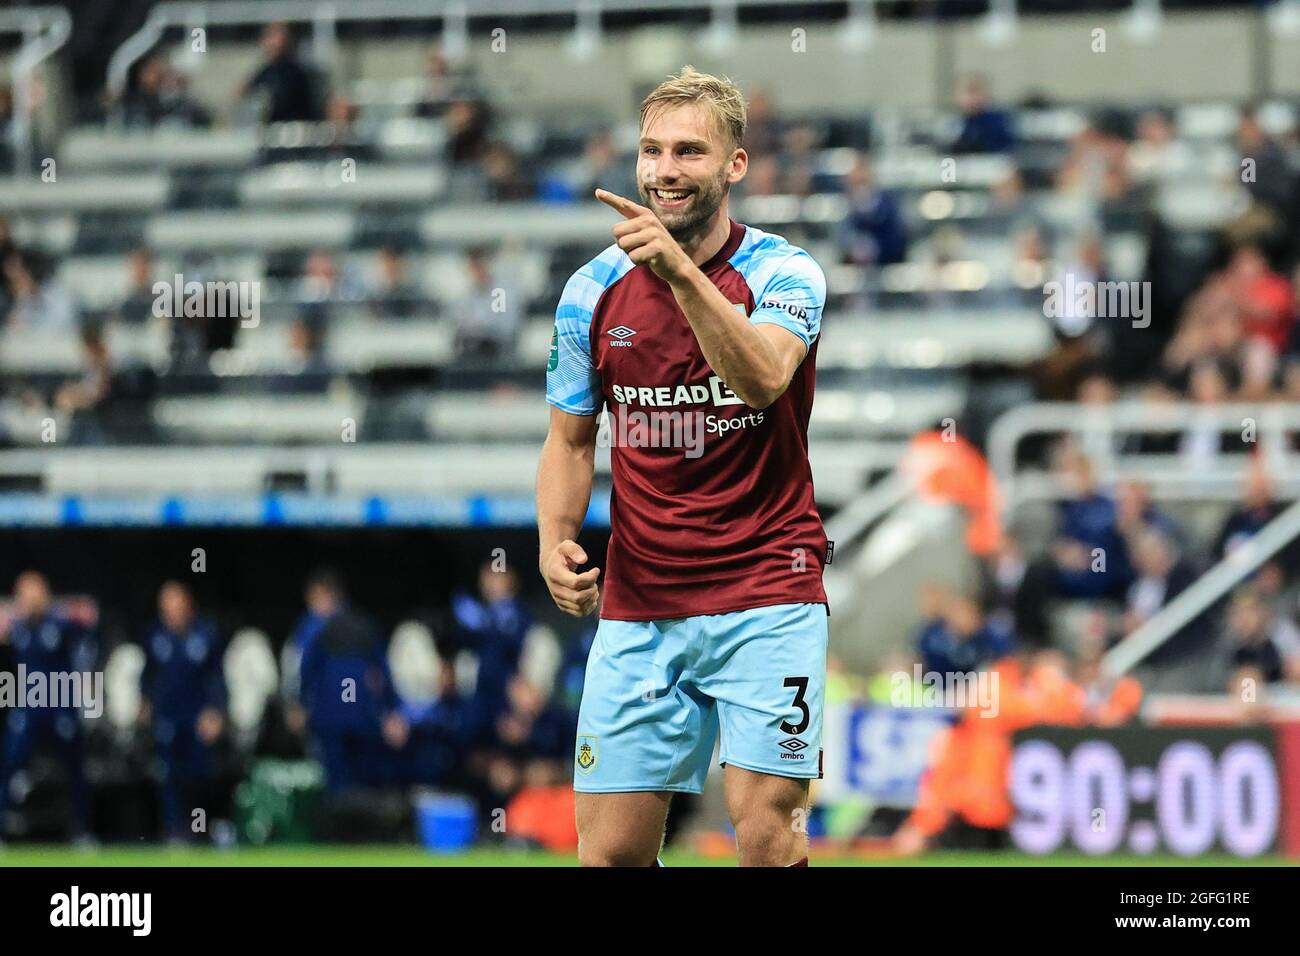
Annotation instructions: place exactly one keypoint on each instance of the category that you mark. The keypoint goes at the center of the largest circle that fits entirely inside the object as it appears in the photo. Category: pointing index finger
(627, 207)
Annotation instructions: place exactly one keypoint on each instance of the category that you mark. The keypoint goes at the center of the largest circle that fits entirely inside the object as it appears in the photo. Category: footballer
(713, 618)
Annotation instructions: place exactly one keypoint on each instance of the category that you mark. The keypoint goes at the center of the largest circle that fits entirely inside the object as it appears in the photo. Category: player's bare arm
(756, 361)
(563, 493)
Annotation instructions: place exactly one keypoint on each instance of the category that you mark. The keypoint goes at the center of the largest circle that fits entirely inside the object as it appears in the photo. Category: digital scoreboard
(1182, 790)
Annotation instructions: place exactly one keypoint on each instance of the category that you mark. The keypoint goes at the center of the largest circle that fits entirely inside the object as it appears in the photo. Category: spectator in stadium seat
(1011, 203)
(798, 160)
(348, 137)
(956, 638)
(7, 245)
(1097, 389)
(1272, 184)
(438, 85)
(1097, 165)
(1258, 507)
(351, 708)
(1212, 331)
(873, 232)
(38, 300)
(1249, 636)
(393, 296)
(1031, 256)
(601, 167)
(285, 90)
(985, 128)
(307, 369)
(764, 178)
(1265, 298)
(136, 306)
(198, 331)
(762, 127)
(466, 121)
(947, 245)
(492, 625)
(45, 642)
(1134, 511)
(1012, 592)
(1008, 193)
(488, 315)
(505, 179)
(1212, 383)
(1161, 575)
(1031, 268)
(323, 281)
(1089, 555)
(183, 700)
(445, 84)
(7, 156)
(158, 96)
(84, 398)
(1156, 152)
(1086, 265)
(1080, 338)
(1282, 598)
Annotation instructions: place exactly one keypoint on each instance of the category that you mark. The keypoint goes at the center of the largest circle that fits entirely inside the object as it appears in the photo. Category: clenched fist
(573, 593)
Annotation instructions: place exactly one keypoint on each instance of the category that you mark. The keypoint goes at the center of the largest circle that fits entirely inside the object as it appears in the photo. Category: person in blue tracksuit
(493, 625)
(323, 595)
(47, 644)
(435, 754)
(183, 694)
(352, 710)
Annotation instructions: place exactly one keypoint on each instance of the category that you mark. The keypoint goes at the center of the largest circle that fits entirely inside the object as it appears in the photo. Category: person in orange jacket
(948, 468)
(967, 778)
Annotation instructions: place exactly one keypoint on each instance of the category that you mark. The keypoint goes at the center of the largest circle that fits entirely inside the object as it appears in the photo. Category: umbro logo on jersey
(621, 335)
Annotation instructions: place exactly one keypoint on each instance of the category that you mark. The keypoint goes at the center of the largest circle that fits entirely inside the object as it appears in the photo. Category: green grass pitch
(117, 856)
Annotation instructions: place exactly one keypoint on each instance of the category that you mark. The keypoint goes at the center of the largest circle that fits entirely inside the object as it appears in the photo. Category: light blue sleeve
(793, 297)
(572, 382)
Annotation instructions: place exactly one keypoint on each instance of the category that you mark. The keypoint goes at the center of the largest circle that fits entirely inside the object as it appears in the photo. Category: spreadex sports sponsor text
(673, 429)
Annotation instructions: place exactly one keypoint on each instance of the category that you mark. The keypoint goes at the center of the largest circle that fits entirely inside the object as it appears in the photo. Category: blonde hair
(718, 95)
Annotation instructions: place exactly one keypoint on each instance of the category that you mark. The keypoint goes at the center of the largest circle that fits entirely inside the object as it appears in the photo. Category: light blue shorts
(657, 692)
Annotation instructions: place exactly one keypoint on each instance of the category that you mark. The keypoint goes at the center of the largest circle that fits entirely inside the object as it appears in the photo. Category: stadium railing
(454, 14)
(1209, 588)
(1143, 31)
(1265, 426)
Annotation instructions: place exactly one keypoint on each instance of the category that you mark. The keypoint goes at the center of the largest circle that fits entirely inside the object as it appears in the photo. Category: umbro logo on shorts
(792, 746)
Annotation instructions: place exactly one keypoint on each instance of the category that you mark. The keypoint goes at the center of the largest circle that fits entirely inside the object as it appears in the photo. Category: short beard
(708, 200)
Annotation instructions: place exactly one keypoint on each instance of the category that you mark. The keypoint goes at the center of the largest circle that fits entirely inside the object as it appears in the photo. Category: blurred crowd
(1110, 561)
(468, 718)
(1218, 319)
(1049, 604)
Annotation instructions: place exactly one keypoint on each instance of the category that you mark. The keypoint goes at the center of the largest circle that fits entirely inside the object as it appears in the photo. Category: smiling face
(686, 166)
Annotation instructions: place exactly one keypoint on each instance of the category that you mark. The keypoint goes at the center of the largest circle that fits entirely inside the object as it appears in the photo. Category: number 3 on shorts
(800, 684)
